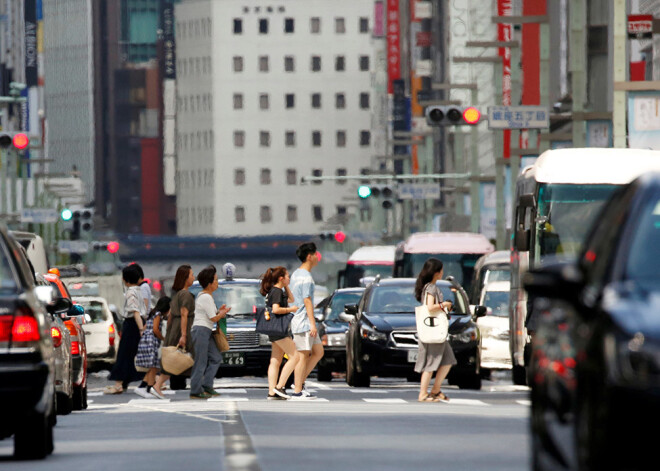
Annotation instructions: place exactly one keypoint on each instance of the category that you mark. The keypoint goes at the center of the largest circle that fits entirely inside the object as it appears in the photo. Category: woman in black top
(275, 286)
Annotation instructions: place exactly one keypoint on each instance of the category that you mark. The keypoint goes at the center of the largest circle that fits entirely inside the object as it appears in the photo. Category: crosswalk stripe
(385, 401)
(467, 402)
(228, 399)
(524, 402)
(368, 391)
(148, 401)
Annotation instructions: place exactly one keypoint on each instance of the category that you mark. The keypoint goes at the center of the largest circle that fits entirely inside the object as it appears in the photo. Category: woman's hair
(206, 276)
(430, 268)
(269, 279)
(130, 274)
(162, 306)
(182, 274)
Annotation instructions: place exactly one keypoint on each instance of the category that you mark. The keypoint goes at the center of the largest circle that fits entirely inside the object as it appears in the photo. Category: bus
(556, 201)
(367, 262)
(459, 252)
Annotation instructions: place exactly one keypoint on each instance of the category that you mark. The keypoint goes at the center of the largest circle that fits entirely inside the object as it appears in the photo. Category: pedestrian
(148, 349)
(145, 289)
(182, 314)
(207, 355)
(303, 325)
(124, 371)
(432, 358)
(275, 286)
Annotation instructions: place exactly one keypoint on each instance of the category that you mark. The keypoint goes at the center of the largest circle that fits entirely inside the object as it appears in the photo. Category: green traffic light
(66, 214)
(364, 191)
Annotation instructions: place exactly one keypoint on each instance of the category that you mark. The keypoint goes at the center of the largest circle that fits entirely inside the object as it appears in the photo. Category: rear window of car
(8, 280)
(95, 311)
(401, 299)
(83, 289)
(498, 301)
(242, 298)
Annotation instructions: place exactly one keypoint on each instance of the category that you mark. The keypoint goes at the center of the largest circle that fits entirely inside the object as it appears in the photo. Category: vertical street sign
(30, 17)
(393, 43)
(505, 33)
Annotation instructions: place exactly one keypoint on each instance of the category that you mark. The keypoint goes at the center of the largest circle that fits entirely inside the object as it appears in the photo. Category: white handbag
(432, 326)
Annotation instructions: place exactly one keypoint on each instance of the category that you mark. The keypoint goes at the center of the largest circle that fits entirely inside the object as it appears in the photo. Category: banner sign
(419, 191)
(393, 43)
(31, 69)
(505, 33)
(39, 215)
(169, 41)
(518, 117)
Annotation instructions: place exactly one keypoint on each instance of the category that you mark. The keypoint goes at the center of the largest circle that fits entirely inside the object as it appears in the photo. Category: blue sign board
(518, 117)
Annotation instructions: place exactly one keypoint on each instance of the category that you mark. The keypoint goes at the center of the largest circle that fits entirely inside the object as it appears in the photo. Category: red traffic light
(113, 247)
(21, 141)
(471, 115)
(340, 237)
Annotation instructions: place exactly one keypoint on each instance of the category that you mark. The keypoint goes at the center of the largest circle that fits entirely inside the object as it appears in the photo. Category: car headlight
(263, 340)
(372, 334)
(467, 336)
(334, 340)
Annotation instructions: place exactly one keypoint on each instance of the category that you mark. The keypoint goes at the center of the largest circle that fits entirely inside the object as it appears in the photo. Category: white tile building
(268, 92)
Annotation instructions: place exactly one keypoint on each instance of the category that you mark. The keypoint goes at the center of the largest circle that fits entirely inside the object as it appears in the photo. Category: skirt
(124, 369)
(432, 356)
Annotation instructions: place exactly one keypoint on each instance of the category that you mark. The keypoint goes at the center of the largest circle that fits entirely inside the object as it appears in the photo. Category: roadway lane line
(316, 385)
(239, 450)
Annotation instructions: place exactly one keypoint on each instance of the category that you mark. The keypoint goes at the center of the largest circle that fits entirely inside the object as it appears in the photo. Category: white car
(101, 332)
(494, 326)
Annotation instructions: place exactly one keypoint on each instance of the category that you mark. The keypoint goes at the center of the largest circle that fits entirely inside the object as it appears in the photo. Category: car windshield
(242, 298)
(7, 277)
(498, 301)
(95, 311)
(354, 272)
(565, 214)
(499, 274)
(644, 256)
(83, 289)
(340, 300)
(401, 299)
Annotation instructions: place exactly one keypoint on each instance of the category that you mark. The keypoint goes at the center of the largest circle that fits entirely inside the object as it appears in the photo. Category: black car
(382, 336)
(249, 351)
(27, 356)
(332, 330)
(595, 361)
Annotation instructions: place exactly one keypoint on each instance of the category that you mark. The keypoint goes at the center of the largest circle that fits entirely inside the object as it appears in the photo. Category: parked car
(595, 362)
(101, 334)
(494, 326)
(249, 351)
(382, 334)
(27, 357)
(332, 330)
(74, 318)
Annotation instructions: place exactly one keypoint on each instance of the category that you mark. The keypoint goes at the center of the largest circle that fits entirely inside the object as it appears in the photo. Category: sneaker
(156, 394)
(302, 397)
(202, 395)
(142, 392)
(275, 397)
(281, 392)
(211, 391)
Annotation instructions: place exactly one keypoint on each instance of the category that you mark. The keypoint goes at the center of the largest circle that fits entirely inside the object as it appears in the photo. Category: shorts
(275, 338)
(305, 342)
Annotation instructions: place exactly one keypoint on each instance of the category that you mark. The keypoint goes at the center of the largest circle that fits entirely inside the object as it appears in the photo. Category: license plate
(233, 359)
(412, 355)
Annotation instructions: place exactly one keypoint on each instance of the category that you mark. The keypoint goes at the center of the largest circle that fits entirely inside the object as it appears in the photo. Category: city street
(382, 427)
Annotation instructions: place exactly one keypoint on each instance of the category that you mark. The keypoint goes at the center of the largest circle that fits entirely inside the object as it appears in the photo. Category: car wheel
(519, 375)
(414, 377)
(79, 398)
(64, 404)
(324, 374)
(34, 438)
(470, 381)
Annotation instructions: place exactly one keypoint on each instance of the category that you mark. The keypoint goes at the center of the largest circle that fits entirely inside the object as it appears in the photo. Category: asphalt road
(379, 428)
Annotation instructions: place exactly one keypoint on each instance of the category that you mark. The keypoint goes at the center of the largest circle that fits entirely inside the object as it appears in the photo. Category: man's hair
(139, 270)
(308, 248)
(206, 276)
(130, 275)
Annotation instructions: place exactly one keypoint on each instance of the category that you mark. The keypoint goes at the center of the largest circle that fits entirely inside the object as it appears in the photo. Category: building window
(290, 100)
(238, 64)
(365, 138)
(239, 138)
(316, 63)
(317, 213)
(264, 102)
(239, 176)
(315, 25)
(317, 172)
(288, 25)
(265, 214)
(364, 63)
(340, 63)
(264, 138)
(239, 213)
(289, 64)
(238, 101)
(264, 178)
(263, 26)
(291, 176)
(364, 101)
(341, 172)
(291, 213)
(340, 26)
(238, 26)
(290, 138)
(341, 210)
(316, 138)
(316, 100)
(263, 63)
(341, 138)
(364, 25)
(340, 101)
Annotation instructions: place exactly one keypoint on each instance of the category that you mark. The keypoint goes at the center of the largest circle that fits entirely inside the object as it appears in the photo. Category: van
(35, 249)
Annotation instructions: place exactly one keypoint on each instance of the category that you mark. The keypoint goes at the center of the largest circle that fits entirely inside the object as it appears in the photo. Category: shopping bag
(176, 360)
(220, 340)
(272, 324)
(432, 326)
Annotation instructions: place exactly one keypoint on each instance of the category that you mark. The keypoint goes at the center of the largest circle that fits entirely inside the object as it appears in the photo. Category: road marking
(239, 451)
(524, 402)
(148, 401)
(368, 391)
(467, 402)
(95, 394)
(385, 401)
(231, 390)
(316, 385)
(228, 399)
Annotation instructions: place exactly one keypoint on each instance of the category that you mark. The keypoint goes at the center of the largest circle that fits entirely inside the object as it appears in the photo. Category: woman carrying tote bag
(432, 357)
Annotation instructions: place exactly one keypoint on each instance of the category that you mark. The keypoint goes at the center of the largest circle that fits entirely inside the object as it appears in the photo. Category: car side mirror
(480, 311)
(319, 316)
(561, 280)
(58, 306)
(350, 312)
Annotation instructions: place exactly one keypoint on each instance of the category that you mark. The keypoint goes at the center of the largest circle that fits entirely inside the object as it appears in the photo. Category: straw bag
(220, 340)
(176, 360)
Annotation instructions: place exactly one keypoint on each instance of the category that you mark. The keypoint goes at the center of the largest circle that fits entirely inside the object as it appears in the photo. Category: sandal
(113, 390)
(440, 396)
(429, 398)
